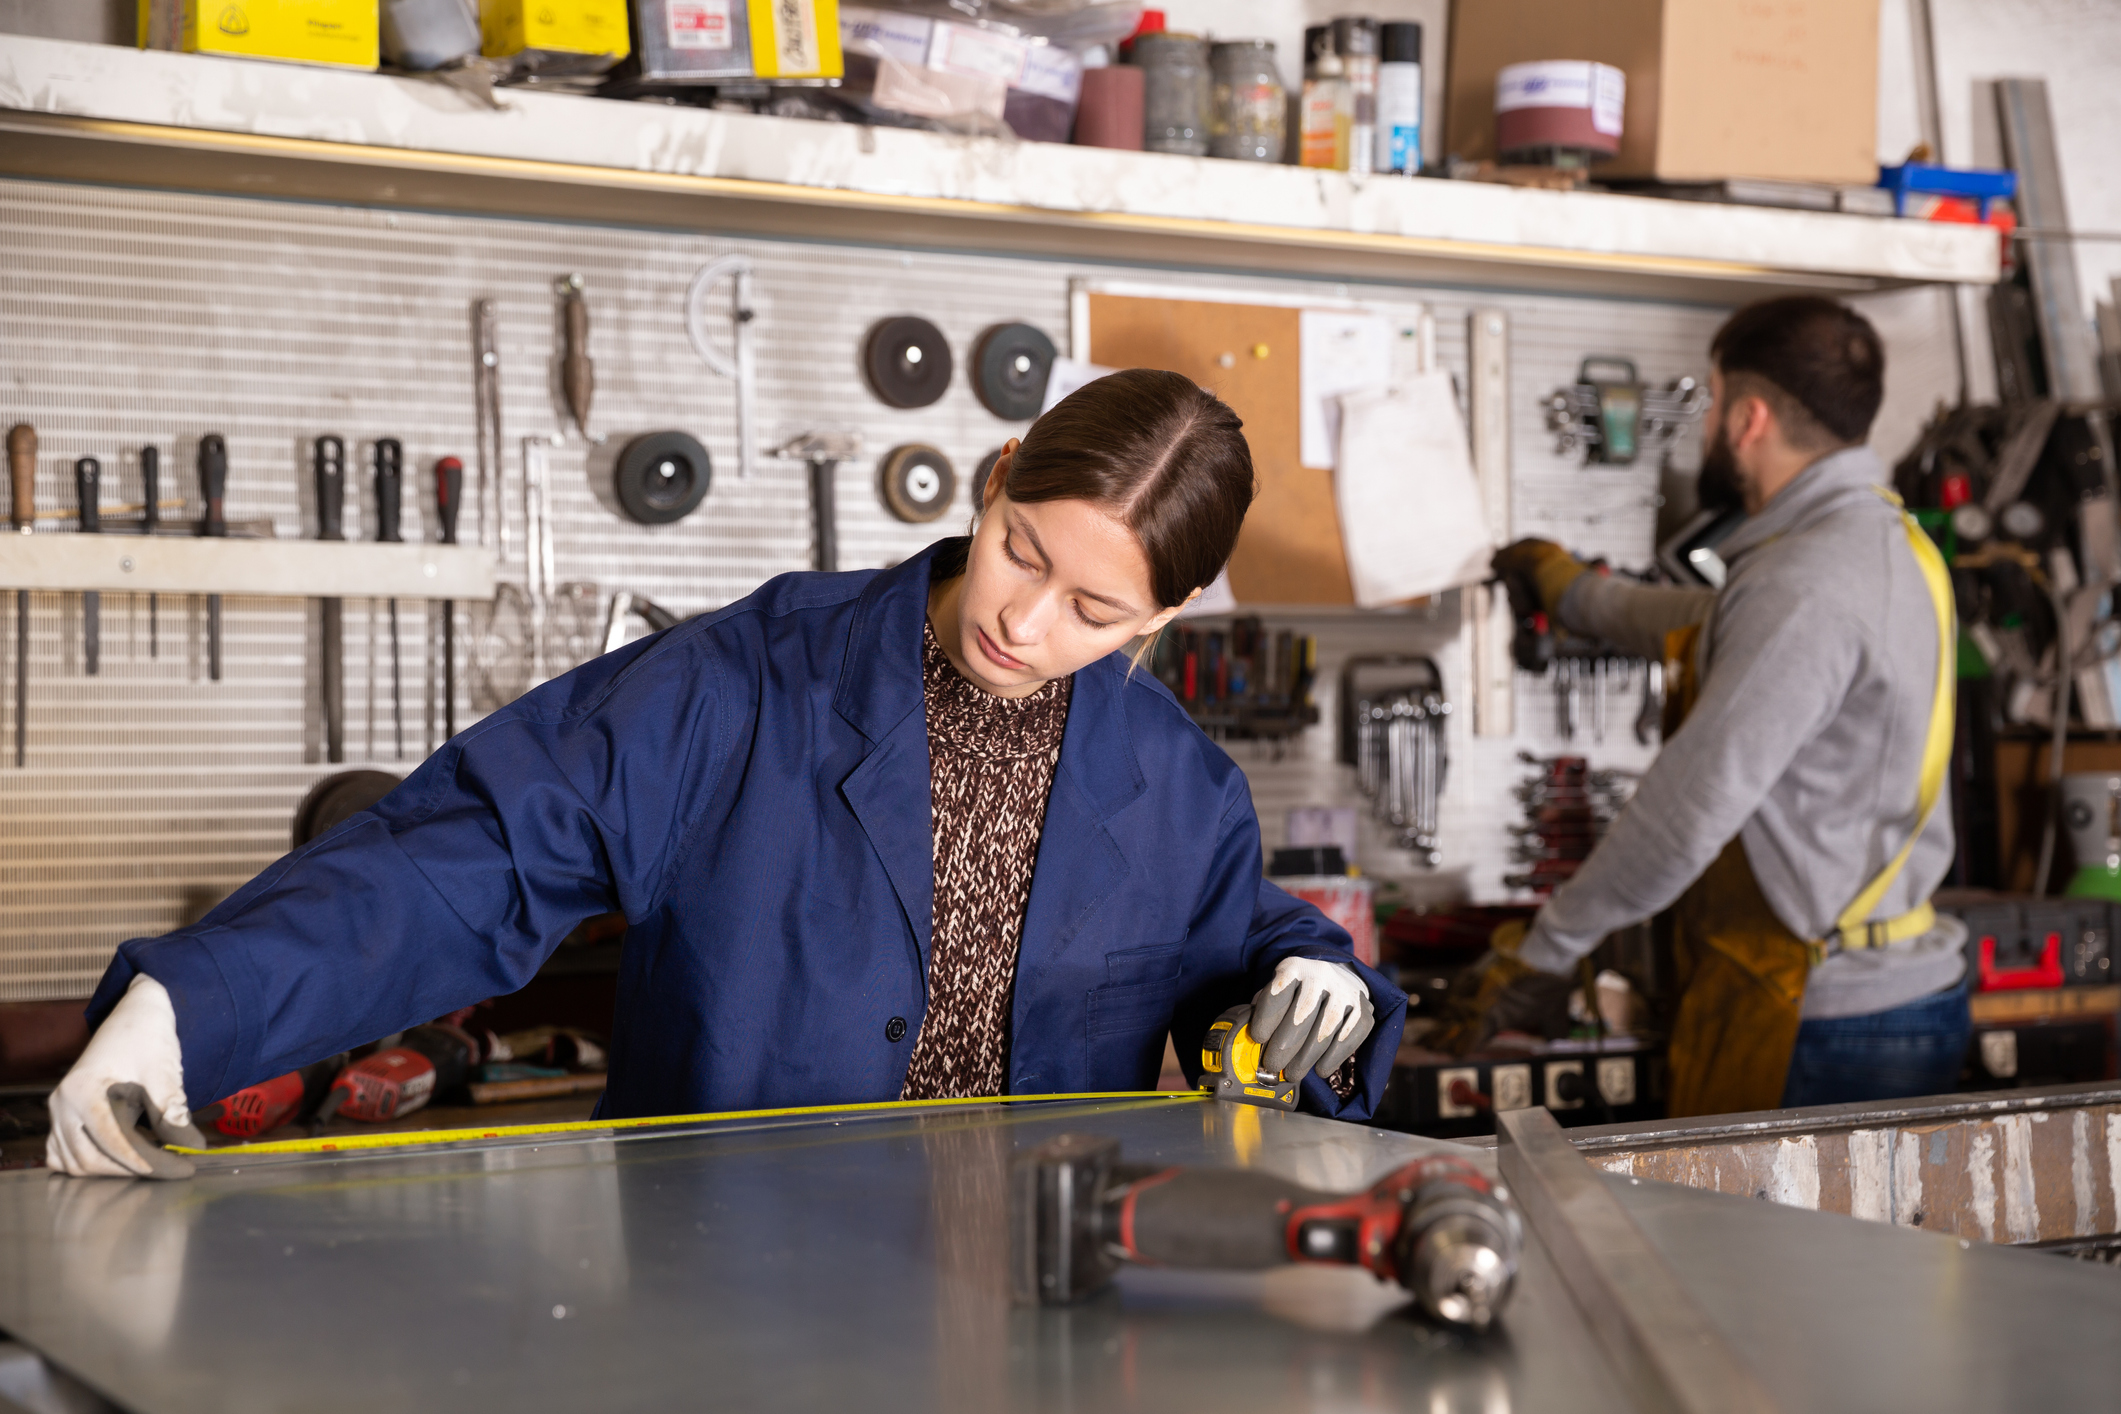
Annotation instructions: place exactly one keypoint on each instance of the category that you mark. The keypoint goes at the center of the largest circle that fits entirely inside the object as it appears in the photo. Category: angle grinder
(1438, 1226)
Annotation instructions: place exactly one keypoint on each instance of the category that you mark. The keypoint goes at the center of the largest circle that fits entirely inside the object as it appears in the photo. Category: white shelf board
(319, 569)
(103, 113)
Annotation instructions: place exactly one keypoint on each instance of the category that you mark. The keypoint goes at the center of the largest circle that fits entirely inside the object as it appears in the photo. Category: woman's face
(1047, 589)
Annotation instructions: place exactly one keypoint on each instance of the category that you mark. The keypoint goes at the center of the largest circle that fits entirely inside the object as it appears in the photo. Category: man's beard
(1720, 487)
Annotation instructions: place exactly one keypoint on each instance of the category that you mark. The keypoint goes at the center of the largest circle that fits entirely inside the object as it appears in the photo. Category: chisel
(88, 477)
(22, 471)
(151, 524)
(390, 480)
(330, 463)
(213, 489)
(449, 494)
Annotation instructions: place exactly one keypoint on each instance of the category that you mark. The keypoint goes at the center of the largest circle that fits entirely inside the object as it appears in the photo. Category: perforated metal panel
(129, 318)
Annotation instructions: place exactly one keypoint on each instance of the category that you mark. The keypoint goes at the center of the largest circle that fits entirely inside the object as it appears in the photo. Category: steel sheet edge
(858, 1260)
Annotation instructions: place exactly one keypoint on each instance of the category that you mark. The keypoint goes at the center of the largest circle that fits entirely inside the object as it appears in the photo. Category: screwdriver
(330, 466)
(88, 477)
(22, 470)
(449, 494)
(390, 480)
(213, 489)
(150, 524)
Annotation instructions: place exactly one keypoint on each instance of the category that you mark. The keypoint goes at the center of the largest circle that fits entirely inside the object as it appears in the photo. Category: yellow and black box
(341, 33)
(589, 27)
(796, 39)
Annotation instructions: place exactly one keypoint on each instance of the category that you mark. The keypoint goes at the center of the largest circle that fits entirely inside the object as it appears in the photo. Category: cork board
(1289, 551)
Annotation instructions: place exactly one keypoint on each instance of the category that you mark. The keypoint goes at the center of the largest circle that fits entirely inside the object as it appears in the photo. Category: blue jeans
(1915, 1049)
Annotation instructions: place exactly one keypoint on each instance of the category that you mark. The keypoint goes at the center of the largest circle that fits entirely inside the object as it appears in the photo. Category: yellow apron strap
(1853, 927)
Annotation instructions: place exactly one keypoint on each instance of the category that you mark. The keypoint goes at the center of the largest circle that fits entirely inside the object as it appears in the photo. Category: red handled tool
(263, 1107)
(427, 1061)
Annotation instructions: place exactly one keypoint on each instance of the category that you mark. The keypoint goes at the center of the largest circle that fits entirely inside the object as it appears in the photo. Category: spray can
(1322, 136)
(1355, 41)
(1399, 99)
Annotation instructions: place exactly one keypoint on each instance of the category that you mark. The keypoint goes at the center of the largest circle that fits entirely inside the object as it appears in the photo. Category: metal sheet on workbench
(859, 1263)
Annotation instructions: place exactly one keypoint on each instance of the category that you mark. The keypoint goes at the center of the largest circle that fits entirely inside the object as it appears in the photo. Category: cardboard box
(342, 33)
(1778, 89)
(588, 27)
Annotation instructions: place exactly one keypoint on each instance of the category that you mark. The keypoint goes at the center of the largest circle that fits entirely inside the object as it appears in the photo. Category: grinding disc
(1010, 365)
(662, 477)
(336, 797)
(907, 361)
(979, 478)
(916, 482)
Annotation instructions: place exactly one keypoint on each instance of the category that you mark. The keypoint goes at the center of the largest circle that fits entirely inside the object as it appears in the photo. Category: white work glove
(1313, 1014)
(133, 1065)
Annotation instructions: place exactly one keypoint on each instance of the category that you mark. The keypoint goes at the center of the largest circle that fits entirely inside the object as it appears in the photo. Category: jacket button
(895, 1029)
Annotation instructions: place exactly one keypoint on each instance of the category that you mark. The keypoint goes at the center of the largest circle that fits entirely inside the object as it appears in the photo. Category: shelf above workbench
(105, 114)
(322, 569)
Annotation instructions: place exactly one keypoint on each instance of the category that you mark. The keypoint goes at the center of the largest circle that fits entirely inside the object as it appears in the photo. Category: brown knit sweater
(990, 768)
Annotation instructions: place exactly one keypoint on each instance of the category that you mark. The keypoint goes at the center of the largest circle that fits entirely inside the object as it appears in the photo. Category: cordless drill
(427, 1061)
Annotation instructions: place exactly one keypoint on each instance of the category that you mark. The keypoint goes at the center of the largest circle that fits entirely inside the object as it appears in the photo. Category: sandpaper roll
(916, 482)
(907, 361)
(1109, 113)
(1010, 366)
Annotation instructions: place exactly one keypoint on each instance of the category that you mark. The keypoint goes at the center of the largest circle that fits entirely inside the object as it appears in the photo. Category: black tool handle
(88, 482)
(449, 495)
(330, 464)
(22, 469)
(390, 483)
(213, 484)
(150, 490)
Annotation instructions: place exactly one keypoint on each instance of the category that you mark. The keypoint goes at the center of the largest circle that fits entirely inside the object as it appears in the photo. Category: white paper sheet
(1342, 353)
(1411, 518)
(1068, 374)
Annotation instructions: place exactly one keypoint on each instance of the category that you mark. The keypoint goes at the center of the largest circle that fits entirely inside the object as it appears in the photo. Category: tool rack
(287, 568)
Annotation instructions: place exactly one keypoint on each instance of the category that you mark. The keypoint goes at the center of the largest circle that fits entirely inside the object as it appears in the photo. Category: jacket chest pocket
(1142, 986)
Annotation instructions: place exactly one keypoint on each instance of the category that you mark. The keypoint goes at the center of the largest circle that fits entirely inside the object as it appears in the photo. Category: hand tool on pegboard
(213, 490)
(486, 383)
(822, 452)
(328, 463)
(88, 489)
(741, 363)
(449, 496)
(578, 375)
(538, 562)
(22, 474)
(390, 482)
(1437, 1226)
(151, 524)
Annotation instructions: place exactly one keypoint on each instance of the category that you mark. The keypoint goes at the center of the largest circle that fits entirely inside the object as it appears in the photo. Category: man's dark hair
(1817, 362)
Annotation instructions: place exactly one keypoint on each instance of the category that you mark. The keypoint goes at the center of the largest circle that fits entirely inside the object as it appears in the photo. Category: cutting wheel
(907, 361)
(662, 477)
(917, 482)
(1010, 365)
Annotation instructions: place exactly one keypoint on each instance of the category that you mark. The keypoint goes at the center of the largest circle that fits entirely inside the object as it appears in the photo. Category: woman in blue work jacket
(753, 790)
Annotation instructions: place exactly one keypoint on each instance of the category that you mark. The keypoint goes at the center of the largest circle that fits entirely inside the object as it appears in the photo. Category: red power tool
(263, 1107)
(427, 1061)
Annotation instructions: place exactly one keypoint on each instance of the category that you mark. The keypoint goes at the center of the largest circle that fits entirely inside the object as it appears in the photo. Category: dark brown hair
(1817, 362)
(1156, 452)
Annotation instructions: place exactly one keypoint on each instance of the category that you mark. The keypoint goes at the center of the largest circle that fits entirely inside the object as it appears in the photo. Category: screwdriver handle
(449, 495)
(88, 476)
(330, 465)
(390, 482)
(22, 470)
(150, 490)
(213, 484)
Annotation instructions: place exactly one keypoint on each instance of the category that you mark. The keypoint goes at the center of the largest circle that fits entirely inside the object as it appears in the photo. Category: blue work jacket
(751, 790)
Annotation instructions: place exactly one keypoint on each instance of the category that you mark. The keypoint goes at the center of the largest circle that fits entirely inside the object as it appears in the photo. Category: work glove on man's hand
(1547, 567)
(133, 1066)
(1500, 993)
(1313, 1015)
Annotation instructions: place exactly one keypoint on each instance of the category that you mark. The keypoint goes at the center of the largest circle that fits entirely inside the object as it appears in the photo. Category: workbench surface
(857, 1261)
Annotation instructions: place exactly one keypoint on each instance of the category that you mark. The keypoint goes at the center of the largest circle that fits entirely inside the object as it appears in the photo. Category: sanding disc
(907, 361)
(1010, 365)
(916, 482)
(338, 796)
(979, 477)
(662, 477)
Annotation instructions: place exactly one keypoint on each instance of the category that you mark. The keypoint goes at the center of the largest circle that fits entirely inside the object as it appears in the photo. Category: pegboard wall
(134, 318)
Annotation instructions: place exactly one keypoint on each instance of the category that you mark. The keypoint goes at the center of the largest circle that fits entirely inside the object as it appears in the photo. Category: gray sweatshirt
(1818, 668)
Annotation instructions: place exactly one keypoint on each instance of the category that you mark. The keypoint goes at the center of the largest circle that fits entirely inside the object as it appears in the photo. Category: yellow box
(796, 39)
(342, 33)
(511, 27)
